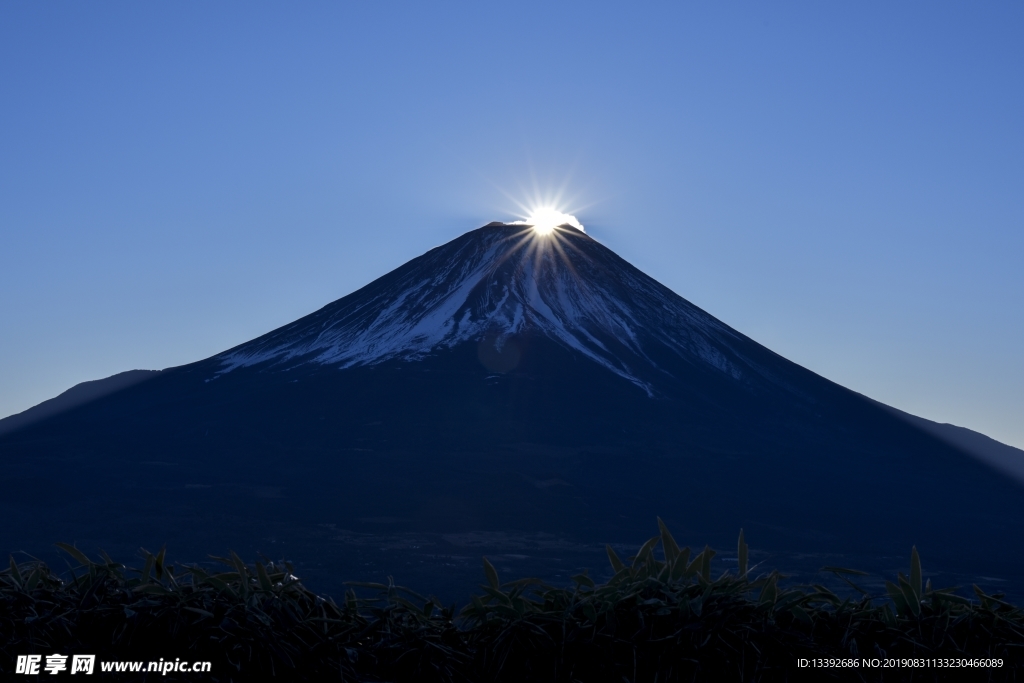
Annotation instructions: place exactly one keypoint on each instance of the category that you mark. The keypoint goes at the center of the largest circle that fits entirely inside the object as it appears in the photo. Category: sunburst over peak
(545, 219)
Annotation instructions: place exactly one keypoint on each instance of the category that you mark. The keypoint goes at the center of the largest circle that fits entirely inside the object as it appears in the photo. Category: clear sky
(843, 182)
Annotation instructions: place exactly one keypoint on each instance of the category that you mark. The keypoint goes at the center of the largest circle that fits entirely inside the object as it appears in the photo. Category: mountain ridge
(76, 395)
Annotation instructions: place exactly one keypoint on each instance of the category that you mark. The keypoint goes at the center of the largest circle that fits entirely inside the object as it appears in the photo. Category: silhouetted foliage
(656, 619)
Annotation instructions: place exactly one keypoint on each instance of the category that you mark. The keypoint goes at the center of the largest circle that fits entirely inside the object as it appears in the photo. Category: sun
(545, 219)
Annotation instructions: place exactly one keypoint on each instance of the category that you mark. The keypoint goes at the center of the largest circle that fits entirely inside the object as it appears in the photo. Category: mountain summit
(498, 283)
(525, 395)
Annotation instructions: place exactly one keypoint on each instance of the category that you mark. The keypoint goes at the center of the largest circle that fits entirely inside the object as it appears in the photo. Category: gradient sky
(842, 182)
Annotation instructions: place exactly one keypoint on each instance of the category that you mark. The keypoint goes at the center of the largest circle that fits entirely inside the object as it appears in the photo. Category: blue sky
(841, 183)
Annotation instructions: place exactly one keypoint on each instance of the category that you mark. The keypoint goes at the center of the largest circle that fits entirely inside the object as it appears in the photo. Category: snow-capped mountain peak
(494, 284)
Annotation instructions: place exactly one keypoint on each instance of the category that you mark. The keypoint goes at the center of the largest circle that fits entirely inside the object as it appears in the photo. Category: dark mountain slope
(78, 395)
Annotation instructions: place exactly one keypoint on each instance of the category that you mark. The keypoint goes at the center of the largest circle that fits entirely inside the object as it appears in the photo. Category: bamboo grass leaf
(158, 563)
(645, 551)
(75, 553)
(823, 593)
(839, 573)
(898, 598)
(412, 608)
(681, 568)
(224, 560)
(220, 585)
(695, 565)
(583, 580)
(497, 595)
(613, 558)
(741, 556)
(366, 584)
(15, 573)
(147, 567)
(33, 578)
(769, 592)
(915, 573)
(106, 559)
(243, 574)
(801, 615)
(844, 570)
(913, 601)
(409, 591)
(705, 566)
(492, 574)
(264, 579)
(951, 597)
(668, 544)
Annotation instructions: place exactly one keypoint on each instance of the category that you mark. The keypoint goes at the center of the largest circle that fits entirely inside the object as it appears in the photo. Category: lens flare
(545, 219)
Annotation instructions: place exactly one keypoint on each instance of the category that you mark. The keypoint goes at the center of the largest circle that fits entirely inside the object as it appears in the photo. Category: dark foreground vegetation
(662, 617)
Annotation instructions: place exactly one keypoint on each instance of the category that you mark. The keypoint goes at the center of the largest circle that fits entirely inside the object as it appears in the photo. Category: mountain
(500, 285)
(525, 397)
(997, 455)
(78, 395)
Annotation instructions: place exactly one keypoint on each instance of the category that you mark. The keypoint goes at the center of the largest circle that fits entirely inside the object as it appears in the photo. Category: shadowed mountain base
(367, 472)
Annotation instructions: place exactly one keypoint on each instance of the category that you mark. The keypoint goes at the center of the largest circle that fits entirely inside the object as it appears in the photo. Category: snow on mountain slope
(498, 282)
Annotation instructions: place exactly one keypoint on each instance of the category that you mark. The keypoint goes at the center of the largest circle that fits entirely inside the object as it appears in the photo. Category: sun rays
(545, 219)
(546, 215)
(545, 241)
